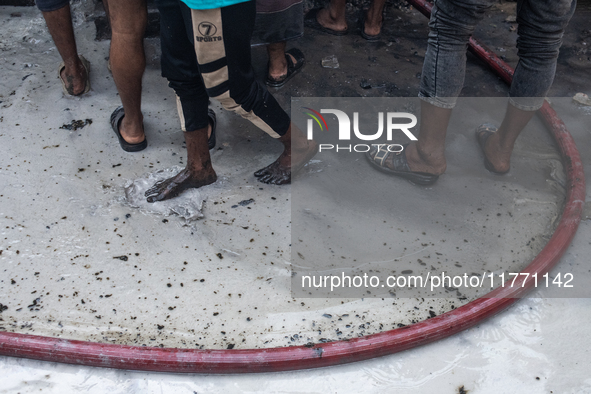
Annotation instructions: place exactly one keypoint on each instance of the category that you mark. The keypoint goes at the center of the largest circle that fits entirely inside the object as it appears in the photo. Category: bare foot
(325, 19)
(278, 70)
(131, 130)
(186, 179)
(373, 27)
(496, 159)
(290, 161)
(74, 76)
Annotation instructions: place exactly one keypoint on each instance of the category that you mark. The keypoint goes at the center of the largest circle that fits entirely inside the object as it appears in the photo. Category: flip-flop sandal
(483, 133)
(400, 164)
(311, 21)
(292, 68)
(86, 65)
(368, 37)
(116, 118)
(211, 141)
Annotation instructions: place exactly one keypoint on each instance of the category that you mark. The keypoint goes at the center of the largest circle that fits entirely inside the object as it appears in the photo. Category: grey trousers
(540, 31)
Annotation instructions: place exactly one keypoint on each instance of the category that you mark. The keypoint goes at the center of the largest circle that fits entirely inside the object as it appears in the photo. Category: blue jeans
(541, 27)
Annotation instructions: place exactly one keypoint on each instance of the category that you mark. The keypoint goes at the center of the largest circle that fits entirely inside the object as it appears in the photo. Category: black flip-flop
(213, 122)
(311, 21)
(116, 118)
(400, 164)
(483, 133)
(292, 68)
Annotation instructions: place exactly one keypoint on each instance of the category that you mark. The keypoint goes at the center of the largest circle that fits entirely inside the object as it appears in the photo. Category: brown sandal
(86, 65)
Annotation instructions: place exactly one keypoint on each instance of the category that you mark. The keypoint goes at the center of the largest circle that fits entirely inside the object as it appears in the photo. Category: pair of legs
(128, 23)
(541, 26)
(428, 153)
(214, 61)
(333, 17)
(128, 19)
(58, 18)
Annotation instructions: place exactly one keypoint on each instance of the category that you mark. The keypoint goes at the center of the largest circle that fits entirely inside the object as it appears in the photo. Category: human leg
(227, 73)
(425, 158)
(283, 65)
(128, 20)
(374, 18)
(541, 27)
(333, 16)
(497, 146)
(277, 61)
(451, 25)
(450, 28)
(197, 173)
(59, 24)
(179, 67)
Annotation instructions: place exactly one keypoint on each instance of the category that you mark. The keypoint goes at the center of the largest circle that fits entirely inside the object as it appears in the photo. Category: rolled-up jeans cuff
(441, 102)
(527, 103)
(51, 5)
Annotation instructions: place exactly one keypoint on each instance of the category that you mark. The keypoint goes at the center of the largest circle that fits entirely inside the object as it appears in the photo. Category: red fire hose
(341, 352)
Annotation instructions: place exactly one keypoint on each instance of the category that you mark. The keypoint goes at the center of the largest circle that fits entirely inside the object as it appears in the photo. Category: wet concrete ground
(80, 218)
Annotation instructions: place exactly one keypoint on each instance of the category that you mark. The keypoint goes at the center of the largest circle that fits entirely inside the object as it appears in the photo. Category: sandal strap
(398, 161)
(290, 63)
(381, 155)
(297, 55)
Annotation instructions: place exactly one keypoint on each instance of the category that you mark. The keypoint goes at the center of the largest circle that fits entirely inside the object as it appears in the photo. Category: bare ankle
(421, 160)
(132, 130)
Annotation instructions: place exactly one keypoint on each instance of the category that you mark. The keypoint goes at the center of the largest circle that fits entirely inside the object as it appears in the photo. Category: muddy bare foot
(496, 160)
(372, 27)
(172, 187)
(279, 172)
(326, 20)
(74, 77)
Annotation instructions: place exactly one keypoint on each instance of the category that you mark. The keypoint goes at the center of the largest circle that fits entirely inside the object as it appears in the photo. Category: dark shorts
(51, 5)
(277, 21)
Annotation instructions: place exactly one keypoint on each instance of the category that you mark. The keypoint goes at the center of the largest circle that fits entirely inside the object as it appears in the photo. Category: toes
(152, 197)
(157, 195)
(152, 190)
(261, 172)
(269, 170)
(158, 187)
(159, 183)
(281, 178)
(161, 194)
(265, 178)
(268, 178)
